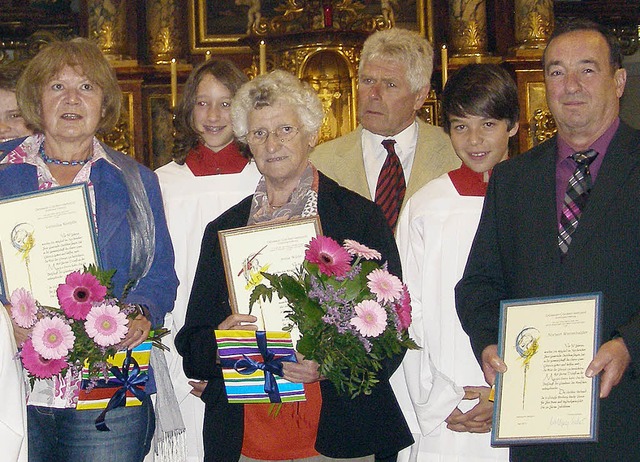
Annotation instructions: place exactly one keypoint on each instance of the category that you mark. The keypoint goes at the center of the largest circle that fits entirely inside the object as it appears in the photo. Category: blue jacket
(157, 290)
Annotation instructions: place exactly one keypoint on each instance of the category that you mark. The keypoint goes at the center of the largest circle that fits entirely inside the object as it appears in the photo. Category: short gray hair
(403, 46)
(277, 86)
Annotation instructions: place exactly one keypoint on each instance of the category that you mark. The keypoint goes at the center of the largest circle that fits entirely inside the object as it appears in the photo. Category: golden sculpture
(309, 15)
(543, 126)
(468, 19)
(534, 24)
(164, 19)
(107, 21)
(121, 137)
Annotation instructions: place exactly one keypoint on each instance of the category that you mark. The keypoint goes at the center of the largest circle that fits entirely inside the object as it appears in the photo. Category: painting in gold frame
(222, 24)
(219, 24)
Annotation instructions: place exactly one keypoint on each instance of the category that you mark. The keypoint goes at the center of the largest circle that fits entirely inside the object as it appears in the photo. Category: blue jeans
(67, 435)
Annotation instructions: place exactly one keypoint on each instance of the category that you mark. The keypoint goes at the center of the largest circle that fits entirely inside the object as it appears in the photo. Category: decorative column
(468, 21)
(107, 20)
(165, 31)
(534, 22)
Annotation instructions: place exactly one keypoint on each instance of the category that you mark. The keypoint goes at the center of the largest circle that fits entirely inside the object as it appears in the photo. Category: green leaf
(260, 292)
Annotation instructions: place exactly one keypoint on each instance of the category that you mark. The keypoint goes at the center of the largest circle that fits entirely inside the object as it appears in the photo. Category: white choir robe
(190, 203)
(434, 236)
(13, 411)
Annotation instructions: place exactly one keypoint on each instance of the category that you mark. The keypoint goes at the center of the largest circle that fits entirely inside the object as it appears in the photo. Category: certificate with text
(44, 236)
(545, 396)
(272, 248)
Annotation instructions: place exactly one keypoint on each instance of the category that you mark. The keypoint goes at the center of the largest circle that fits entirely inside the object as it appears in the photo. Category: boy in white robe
(446, 387)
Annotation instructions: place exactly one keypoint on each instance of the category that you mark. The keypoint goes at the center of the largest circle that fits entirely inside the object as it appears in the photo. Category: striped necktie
(575, 198)
(391, 187)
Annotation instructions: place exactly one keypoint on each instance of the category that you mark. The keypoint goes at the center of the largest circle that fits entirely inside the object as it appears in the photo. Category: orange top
(289, 435)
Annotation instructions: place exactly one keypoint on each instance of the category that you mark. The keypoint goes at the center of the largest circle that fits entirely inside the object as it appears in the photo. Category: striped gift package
(252, 366)
(98, 397)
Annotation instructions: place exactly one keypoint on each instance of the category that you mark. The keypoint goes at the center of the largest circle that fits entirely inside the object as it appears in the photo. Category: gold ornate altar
(318, 40)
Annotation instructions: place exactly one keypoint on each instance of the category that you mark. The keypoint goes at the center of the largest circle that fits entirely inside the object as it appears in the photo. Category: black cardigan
(348, 428)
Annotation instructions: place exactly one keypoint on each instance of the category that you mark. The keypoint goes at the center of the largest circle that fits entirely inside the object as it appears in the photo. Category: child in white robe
(446, 387)
(209, 174)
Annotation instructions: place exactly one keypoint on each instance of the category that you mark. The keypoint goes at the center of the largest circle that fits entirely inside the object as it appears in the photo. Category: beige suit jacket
(341, 159)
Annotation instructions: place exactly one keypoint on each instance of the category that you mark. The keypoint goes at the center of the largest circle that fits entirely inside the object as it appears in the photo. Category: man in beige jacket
(393, 83)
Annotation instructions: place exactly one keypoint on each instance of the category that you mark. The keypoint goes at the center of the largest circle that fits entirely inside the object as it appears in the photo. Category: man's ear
(620, 78)
(421, 97)
(313, 140)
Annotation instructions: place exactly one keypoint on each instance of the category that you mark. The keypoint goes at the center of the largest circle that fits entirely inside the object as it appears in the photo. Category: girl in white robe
(208, 175)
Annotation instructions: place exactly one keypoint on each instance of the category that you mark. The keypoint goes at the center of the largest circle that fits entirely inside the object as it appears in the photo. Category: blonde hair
(77, 53)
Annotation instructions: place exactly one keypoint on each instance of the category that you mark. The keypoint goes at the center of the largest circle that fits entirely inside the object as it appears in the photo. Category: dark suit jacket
(348, 428)
(515, 255)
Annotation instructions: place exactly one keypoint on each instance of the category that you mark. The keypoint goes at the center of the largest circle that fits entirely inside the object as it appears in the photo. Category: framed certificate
(544, 396)
(272, 248)
(44, 236)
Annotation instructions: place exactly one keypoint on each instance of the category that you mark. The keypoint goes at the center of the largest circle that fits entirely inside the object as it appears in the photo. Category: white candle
(174, 83)
(445, 64)
(263, 57)
(207, 55)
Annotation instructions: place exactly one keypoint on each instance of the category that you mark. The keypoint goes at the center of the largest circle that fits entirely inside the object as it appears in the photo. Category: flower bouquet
(351, 315)
(84, 331)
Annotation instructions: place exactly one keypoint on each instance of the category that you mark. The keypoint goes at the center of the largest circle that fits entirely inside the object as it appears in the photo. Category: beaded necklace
(66, 163)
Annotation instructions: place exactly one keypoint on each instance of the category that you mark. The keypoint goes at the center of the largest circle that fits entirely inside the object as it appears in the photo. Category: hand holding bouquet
(85, 331)
(351, 315)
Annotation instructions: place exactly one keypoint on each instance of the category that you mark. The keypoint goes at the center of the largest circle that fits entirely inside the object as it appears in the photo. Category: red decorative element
(327, 9)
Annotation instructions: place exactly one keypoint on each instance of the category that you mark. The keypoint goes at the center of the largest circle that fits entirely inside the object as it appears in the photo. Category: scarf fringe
(171, 447)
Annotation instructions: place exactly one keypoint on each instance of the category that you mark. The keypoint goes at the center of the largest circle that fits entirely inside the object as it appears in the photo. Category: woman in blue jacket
(68, 93)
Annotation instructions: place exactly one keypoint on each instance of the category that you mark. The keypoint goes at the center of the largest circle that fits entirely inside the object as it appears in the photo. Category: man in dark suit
(517, 251)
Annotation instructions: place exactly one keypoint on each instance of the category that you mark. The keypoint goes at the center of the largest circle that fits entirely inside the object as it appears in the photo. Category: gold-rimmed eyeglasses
(284, 133)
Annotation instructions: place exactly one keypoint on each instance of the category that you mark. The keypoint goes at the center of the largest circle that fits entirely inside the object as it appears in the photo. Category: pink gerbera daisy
(37, 365)
(330, 257)
(78, 293)
(23, 308)
(52, 338)
(385, 286)
(403, 309)
(360, 250)
(106, 324)
(370, 319)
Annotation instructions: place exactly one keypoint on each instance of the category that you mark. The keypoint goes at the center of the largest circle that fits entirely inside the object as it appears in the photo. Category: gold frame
(241, 265)
(201, 41)
(421, 26)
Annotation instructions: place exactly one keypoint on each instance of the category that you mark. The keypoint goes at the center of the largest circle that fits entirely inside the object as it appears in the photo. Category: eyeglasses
(284, 133)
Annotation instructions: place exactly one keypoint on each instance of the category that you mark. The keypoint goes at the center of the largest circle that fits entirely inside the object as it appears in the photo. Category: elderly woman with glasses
(279, 117)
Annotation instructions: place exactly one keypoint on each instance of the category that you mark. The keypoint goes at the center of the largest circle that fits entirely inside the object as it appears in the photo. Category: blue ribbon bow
(270, 366)
(128, 381)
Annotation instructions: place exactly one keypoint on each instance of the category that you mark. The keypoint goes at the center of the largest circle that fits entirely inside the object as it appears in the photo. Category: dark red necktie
(391, 187)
